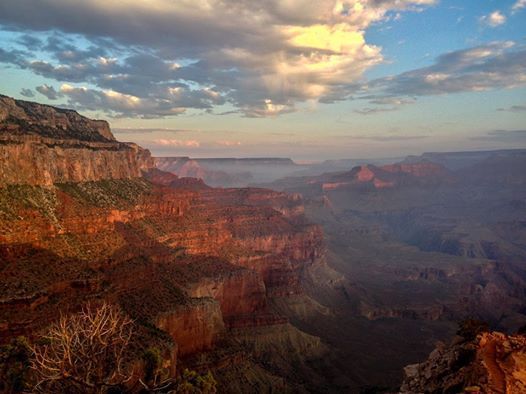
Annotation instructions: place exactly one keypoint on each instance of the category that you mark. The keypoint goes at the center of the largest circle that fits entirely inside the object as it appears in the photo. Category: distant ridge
(462, 159)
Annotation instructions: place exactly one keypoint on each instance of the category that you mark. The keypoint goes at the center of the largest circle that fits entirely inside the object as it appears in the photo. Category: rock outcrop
(493, 362)
(43, 145)
(371, 177)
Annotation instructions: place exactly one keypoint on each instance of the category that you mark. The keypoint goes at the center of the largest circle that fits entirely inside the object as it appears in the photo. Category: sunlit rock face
(491, 363)
(42, 145)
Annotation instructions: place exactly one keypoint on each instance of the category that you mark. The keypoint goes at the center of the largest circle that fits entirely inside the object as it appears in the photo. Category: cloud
(177, 143)
(49, 92)
(268, 108)
(263, 58)
(149, 130)
(510, 136)
(228, 143)
(27, 93)
(514, 108)
(395, 104)
(519, 5)
(384, 138)
(496, 18)
(372, 111)
(497, 65)
(118, 103)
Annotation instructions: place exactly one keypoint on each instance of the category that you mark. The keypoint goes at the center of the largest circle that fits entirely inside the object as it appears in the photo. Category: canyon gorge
(333, 282)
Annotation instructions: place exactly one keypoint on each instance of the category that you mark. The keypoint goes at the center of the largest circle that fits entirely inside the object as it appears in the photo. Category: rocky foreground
(492, 362)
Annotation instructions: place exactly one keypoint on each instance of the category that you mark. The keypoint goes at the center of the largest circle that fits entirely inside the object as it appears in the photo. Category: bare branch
(84, 352)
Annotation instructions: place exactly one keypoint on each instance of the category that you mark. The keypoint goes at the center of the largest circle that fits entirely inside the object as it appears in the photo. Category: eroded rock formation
(84, 217)
(43, 145)
(491, 363)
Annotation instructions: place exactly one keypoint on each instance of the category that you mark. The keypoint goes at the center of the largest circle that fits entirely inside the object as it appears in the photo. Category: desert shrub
(84, 353)
(190, 382)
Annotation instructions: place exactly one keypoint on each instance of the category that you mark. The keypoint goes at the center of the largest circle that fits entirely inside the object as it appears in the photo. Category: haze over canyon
(280, 196)
(319, 283)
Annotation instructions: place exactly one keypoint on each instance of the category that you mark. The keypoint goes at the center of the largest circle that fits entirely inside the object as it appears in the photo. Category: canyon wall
(43, 145)
(84, 217)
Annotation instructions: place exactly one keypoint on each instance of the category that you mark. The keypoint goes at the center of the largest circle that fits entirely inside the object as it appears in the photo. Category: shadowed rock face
(491, 363)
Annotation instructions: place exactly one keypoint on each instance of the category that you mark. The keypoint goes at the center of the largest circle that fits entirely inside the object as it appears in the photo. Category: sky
(306, 79)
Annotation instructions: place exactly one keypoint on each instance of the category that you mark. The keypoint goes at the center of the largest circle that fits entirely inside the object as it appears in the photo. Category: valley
(326, 283)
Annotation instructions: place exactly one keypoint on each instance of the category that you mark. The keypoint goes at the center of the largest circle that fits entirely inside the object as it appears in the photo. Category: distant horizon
(303, 162)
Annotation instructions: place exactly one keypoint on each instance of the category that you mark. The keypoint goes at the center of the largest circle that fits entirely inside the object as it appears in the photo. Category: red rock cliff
(42, 145)
(83, 217)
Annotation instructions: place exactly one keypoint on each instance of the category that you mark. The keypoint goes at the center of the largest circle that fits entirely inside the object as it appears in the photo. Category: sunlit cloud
(519, 5)
(177, 143)
(164, 57)
(496, 18)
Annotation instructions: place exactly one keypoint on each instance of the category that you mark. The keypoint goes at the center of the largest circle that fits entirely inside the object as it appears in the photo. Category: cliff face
(491, 363)
(18, 117)
(84, 217)
(195, 327)
(42, 145)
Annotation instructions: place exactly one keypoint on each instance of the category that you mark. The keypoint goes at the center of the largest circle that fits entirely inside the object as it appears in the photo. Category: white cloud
(496, 65)
(116, 102)
(228, 143)
(177, 143)
(519, 5)
(262, 57)
(496, 18)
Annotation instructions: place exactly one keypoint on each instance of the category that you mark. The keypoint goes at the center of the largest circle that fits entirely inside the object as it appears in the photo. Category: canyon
(84, 218)
(320, 283)
(229, 172)
(422, 245)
